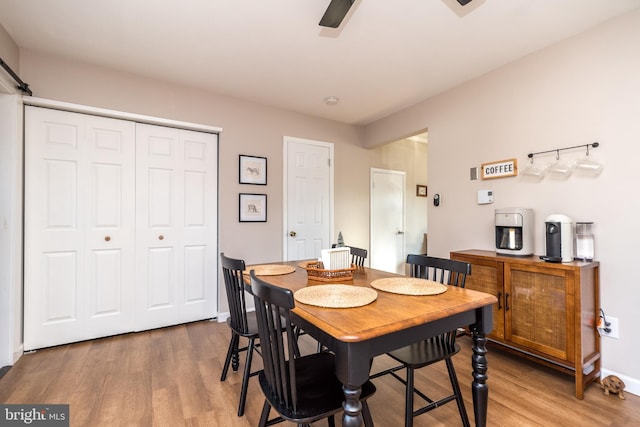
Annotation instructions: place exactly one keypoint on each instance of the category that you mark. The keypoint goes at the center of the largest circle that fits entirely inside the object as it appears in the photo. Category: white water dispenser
(584, 241)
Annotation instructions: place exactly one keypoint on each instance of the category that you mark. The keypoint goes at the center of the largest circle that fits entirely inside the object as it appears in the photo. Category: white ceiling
(387, 54)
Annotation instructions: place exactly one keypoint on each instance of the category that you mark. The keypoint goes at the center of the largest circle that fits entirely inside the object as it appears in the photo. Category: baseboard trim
(18, 353)
(4, 370)
(222, 317)
(632, 385)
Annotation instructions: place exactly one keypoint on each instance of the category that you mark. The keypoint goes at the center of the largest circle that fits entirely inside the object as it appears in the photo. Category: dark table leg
(352, 415)
(479, 387)
(352, 369)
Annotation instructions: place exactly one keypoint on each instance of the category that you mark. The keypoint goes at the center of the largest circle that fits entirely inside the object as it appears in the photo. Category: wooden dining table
(357, 335)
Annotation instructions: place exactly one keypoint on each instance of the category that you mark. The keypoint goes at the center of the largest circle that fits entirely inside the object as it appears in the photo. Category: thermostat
(485, 197)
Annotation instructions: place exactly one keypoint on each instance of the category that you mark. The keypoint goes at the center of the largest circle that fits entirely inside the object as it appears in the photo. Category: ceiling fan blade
(335, 13)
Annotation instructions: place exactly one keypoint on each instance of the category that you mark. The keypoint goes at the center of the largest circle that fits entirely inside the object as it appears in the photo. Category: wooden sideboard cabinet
(546, 311)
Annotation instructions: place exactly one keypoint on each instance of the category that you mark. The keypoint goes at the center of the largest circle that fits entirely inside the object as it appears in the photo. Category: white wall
(582, 90)
(10, 225)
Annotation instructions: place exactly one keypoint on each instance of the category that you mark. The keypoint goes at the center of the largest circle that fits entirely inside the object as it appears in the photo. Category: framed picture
(253, 207)
(421, 190)
(253, 170)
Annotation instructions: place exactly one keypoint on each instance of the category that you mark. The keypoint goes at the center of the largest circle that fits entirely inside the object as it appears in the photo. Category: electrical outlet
(615, 331)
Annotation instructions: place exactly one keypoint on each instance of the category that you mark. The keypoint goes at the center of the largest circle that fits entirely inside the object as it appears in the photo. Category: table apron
(353, 359)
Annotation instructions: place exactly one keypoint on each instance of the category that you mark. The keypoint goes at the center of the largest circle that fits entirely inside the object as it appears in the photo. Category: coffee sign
(500, 169)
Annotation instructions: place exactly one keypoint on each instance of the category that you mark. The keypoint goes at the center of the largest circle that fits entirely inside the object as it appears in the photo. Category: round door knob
(161, 237)
(292, 233)
(107, 238)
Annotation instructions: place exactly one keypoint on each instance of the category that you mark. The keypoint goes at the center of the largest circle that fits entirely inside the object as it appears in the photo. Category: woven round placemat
(336, 296)
(409, 286)
(270, 269)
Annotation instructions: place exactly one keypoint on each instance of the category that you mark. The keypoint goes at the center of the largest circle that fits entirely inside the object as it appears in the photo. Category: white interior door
(308, 198)
(387, 220)
(176, 228)
(79, 226)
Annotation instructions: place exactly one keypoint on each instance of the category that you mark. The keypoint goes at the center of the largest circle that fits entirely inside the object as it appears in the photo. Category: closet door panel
(176, 208)
(110, 228)
(160, 284)
(195, 275)
(79, 226)
(107, 280)
(61, 195)
(60, 288)
(54, 262)
(158, 175)
(199, 226)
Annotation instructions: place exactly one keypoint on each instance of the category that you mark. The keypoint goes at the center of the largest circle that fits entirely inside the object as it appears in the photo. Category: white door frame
(285, 178)
(11, 348)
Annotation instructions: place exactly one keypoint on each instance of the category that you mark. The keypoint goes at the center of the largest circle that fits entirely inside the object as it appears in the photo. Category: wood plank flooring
(171, 377)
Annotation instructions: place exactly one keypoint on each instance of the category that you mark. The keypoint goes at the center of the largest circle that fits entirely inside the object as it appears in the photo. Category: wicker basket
(315, 271)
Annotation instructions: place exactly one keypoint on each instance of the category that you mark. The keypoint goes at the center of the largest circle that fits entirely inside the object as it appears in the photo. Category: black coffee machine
(558, 238)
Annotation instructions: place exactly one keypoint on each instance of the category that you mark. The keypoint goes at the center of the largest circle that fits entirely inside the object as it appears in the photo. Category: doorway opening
(408, 155)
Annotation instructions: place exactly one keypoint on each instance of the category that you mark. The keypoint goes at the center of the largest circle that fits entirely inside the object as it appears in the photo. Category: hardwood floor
(171, 377)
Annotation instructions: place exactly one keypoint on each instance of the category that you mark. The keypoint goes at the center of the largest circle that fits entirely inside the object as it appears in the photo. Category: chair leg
(233, 346)
(235, 360)
(264, 417)
(332, 421)
(366, 415)
(245, 378)
(456, 390)
(408, 410)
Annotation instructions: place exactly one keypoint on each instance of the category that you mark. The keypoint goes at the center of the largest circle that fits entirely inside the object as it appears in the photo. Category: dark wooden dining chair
(432, 350)
(242, 324)
(301, 389)
(358, 255)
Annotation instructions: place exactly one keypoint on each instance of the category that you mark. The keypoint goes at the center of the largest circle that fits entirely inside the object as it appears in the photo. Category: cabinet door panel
(484, 279)
(486, 276)
(538, 314)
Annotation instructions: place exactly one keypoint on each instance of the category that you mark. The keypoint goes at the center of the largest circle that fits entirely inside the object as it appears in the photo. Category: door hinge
(329, 162)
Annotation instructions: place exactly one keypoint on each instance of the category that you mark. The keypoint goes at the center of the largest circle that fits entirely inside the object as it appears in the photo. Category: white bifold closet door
(120, 226)
(176, 225)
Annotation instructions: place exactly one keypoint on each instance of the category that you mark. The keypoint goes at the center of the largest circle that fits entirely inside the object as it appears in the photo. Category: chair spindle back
(279, 349)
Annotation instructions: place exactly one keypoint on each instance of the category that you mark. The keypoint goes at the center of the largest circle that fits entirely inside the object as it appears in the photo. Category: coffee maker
(514, 231)
(558, 238)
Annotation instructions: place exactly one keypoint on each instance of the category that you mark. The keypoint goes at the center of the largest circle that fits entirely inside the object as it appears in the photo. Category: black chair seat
(251, 326)
(319, 391)
(424, 353)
